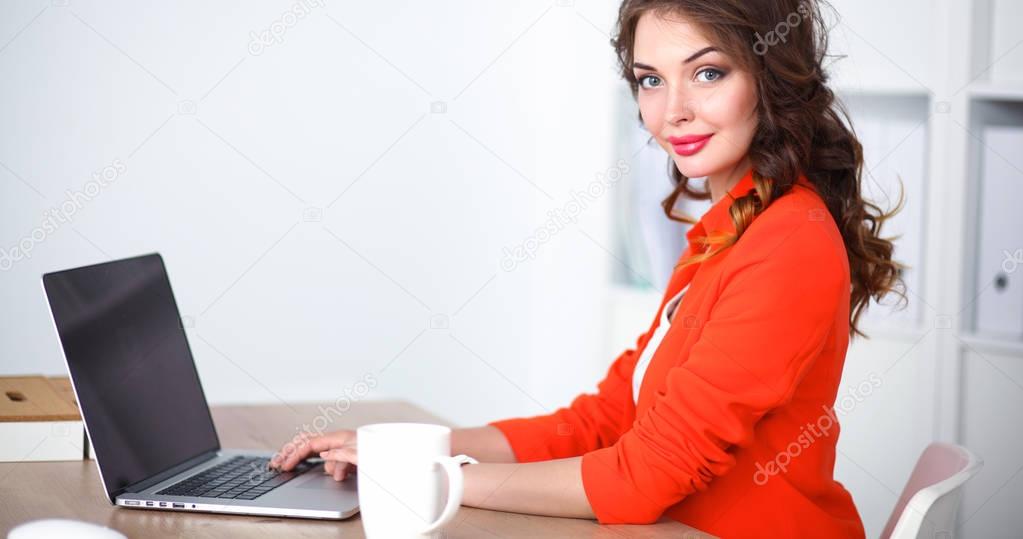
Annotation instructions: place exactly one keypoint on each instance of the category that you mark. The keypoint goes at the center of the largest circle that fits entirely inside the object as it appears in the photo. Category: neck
(723, 182)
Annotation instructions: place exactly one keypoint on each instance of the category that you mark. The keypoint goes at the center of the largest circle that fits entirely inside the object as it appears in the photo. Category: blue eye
(716, 74)
(648, 82)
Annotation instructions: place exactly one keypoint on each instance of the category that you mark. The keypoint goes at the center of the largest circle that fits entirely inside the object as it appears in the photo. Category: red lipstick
(689, 144)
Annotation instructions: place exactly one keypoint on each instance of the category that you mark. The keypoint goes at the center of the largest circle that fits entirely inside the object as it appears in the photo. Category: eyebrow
(694, 56)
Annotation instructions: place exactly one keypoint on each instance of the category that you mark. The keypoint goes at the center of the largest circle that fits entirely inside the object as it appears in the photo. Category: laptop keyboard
(239, 478)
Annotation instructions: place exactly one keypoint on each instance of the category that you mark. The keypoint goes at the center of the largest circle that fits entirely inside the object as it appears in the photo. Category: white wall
(316, 216)
(317, 210)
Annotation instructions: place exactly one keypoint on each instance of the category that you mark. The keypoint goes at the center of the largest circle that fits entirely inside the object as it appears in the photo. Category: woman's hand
(337, 449)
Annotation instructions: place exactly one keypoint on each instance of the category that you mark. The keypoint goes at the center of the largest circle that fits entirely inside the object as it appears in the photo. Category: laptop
(145, 411)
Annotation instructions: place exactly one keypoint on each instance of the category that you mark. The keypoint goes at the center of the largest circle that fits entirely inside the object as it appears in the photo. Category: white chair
(930, 501)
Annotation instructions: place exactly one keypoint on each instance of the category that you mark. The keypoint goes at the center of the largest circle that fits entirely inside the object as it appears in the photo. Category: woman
(721, 417)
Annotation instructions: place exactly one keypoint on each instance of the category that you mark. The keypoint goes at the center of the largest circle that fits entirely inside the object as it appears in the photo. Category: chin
(695, 166)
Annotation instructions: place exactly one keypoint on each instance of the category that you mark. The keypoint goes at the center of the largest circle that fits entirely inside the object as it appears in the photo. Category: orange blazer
(734, 431)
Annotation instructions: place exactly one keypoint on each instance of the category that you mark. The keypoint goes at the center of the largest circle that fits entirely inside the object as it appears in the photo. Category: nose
(680, 107)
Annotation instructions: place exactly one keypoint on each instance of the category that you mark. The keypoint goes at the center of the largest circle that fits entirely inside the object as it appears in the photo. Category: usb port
(179, 505)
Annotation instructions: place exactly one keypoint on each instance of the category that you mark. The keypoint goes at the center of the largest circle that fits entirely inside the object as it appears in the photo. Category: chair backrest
(930, 501)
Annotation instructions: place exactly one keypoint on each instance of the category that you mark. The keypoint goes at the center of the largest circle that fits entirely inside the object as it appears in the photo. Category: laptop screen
(131, 367)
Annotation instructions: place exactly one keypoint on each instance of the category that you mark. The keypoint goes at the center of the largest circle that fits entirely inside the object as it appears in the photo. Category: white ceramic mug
(401, 479)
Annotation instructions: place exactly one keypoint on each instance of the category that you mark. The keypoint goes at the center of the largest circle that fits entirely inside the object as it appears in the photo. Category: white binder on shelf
(999, 285)
(895, 150)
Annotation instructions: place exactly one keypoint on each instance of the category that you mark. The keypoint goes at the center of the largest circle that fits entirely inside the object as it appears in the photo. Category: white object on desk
(60, 528)
(401, 479)
(39, 420)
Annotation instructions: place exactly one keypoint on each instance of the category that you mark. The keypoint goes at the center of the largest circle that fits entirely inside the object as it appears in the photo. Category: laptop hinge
(168, 473)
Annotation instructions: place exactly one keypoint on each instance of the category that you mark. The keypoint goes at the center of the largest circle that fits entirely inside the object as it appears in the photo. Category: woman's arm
(485, 444)
(551, 487)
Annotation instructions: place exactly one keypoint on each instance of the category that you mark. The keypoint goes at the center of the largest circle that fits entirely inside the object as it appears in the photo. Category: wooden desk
(32, 490)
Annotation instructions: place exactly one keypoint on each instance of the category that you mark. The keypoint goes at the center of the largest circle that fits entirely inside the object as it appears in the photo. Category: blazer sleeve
(591, 421)
(771, 320)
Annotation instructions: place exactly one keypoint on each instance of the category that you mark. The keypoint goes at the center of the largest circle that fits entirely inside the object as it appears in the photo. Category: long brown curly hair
(801, 129)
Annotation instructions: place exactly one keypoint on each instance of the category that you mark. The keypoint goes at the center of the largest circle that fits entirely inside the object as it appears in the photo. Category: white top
(654, 342)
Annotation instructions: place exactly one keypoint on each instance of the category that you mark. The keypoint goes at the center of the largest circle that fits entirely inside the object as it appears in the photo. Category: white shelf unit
(989, 366)
(922, 79)
(990, 351)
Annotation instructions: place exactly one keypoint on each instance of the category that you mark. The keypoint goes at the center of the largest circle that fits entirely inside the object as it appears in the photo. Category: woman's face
(693, 98)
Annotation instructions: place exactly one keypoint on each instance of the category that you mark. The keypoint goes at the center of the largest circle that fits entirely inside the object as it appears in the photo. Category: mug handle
(453, 468)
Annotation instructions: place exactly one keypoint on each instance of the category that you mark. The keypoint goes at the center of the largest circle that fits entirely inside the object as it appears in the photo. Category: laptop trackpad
(315, 478)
